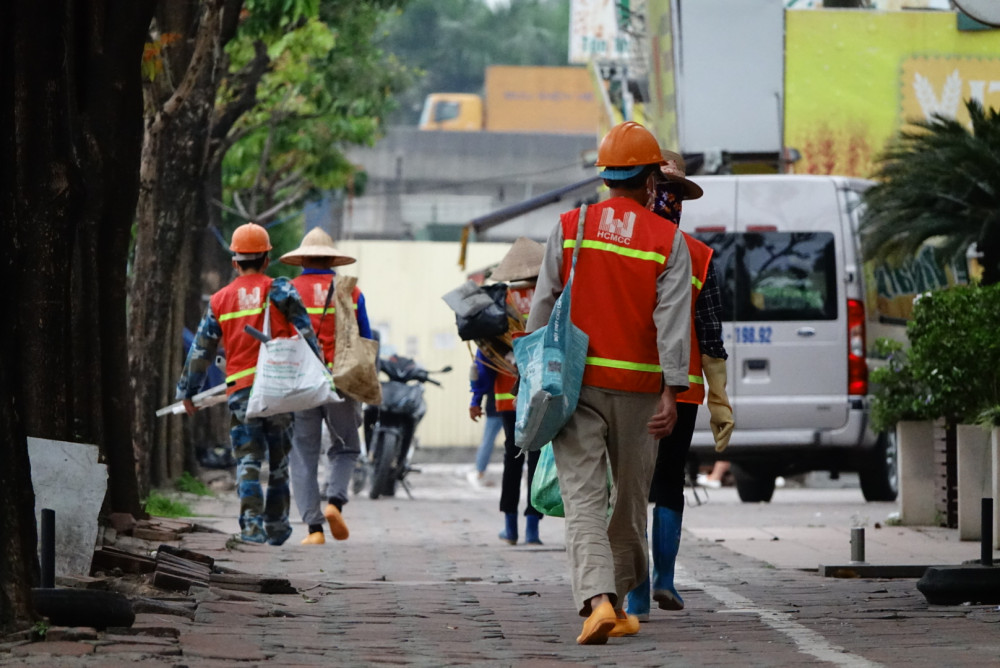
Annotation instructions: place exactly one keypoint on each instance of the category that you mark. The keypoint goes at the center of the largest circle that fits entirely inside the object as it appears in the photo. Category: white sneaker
(475, 478)
(704, 481)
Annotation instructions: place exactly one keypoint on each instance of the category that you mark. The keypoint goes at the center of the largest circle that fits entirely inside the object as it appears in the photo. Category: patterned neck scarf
(667, 199)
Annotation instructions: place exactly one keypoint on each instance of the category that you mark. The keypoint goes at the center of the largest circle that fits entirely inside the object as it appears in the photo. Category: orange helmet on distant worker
(250, 240)
(625, 150)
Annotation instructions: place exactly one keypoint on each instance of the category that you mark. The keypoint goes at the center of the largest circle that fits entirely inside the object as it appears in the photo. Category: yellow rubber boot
(338, 527)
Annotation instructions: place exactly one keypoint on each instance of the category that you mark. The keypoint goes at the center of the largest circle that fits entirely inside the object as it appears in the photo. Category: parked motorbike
(389, 427)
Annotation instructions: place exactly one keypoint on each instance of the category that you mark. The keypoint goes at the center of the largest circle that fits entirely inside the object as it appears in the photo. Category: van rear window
(775, 276)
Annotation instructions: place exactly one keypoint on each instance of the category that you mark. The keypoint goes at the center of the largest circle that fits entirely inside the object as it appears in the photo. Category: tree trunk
(71, 130)
(171, 220)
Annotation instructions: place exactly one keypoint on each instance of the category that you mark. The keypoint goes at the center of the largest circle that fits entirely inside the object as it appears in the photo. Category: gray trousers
(343, 420)
(606, 555)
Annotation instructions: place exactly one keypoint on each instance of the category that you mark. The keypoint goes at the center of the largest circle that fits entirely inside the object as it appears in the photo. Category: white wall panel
(730, 73)
(403, 282)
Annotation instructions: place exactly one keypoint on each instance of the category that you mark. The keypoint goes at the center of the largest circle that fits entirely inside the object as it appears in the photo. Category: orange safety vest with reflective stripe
(624, 250)
(312, 289)
(503, 387)
(239, 304)
(701, 256)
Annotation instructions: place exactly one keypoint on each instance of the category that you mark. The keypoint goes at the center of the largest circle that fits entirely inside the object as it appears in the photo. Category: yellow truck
(553, 100)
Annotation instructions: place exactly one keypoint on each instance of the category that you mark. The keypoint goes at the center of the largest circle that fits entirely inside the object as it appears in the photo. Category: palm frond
(938, 178)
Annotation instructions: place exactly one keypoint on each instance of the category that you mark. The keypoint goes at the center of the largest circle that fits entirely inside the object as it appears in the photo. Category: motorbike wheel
(386, 450)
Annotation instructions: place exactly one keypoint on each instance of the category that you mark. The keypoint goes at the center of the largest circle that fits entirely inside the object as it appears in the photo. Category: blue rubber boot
(531, 530)
(509, 534)
(637, 601)
(666, 542)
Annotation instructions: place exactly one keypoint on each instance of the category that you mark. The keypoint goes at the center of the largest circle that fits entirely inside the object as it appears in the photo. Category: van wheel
(754, 483)
(879, 475)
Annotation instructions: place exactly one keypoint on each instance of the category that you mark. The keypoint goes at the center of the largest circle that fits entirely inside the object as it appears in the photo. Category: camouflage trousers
(263, 516)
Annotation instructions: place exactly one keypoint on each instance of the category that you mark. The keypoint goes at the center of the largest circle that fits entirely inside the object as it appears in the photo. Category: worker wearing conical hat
(317, 255)
(519, 267)
(707, 363)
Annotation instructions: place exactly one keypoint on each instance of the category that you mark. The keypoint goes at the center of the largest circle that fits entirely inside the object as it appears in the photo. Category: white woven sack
(289, 377)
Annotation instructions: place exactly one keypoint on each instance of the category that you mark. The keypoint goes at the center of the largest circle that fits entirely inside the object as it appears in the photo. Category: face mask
(667, 198)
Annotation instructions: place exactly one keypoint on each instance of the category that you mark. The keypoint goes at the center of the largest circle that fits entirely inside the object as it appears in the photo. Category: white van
(788, 262)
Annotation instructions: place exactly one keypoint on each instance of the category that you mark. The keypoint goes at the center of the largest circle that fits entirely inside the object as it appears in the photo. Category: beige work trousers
(606, 555)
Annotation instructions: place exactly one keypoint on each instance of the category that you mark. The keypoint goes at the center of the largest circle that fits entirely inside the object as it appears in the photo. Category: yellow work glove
(718, 401)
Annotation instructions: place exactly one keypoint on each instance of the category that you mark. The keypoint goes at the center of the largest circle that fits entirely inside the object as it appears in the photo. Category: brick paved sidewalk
(425, 582)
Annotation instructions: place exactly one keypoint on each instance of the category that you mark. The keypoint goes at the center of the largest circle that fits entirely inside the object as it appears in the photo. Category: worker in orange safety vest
(318, 256)
(631, 295)
(263, 517)
(707, 361)
(520, 268)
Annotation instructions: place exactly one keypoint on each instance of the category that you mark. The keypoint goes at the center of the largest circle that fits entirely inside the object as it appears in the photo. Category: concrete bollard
(917, 473)
(974, 467)
(858, 545)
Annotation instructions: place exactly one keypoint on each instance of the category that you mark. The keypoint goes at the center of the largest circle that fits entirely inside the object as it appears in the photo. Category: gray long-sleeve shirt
(672, 315)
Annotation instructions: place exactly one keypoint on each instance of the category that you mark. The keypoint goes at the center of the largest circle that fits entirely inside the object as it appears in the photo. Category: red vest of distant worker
(239, 304)
(701, 256)
(503, 387)
(313, 289)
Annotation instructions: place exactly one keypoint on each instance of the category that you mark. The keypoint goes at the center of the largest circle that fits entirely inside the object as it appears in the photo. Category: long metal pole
(986, 544)
(48, 540)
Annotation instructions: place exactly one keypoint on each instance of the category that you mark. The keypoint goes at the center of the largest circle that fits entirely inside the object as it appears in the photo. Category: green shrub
(159, 505)
(896, 393)
(954, 351)
(188, 483)
(951, 369)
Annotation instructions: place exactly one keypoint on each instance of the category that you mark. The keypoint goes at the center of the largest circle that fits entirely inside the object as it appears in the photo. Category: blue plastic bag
(550, 362)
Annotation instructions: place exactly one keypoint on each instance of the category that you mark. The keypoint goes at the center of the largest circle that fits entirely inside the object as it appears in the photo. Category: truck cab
(461, 112)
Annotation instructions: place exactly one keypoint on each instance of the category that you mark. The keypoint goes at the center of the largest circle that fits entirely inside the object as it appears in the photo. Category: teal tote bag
(550, 362)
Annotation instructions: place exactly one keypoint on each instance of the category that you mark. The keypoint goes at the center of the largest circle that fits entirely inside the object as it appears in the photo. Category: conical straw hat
(673, 169)
(523, 261)
(317, 244)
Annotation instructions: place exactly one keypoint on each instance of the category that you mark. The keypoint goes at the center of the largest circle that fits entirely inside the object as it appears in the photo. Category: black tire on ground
(386, 446)
(879, 474)
(83, 607)
(754, 482)
(956, 585)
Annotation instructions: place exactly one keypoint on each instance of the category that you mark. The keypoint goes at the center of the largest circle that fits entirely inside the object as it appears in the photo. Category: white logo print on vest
(618, 231)
(249, 300)
(319, 294)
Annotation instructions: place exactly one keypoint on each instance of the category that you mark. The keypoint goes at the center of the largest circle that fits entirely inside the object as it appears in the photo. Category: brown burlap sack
(354, 362)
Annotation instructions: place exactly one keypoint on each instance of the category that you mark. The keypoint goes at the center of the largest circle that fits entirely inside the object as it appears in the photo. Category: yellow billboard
(853, 79)
(661, 115)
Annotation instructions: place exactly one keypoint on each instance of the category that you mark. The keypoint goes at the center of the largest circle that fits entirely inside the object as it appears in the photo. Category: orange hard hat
(250, 239)
(627, 145)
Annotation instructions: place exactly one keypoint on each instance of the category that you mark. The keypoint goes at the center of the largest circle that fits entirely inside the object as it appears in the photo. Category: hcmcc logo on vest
(618, 231)
(249, 300)
(319, 294)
